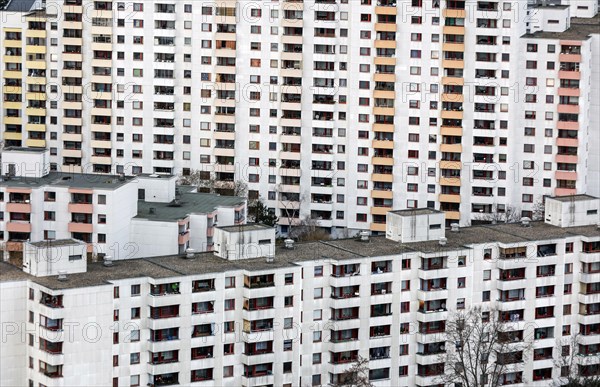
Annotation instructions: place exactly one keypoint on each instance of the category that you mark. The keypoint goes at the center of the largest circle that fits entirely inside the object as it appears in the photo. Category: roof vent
(189, 253)
(443, 241)
(108, 262)
(270, 258)
(152, 210)
(525, 222)
(121, 176)
(289, 243)
(454, 227)
(62, 275)
(364, 236)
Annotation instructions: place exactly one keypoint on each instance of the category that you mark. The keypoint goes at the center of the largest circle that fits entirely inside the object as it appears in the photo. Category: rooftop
(72, 180)
(58, 243)
(24, 149)
(19, 6)
(337, 250)
(246, 227)
(416, 211)
(580, 29)
(197, 203)
(575, 198)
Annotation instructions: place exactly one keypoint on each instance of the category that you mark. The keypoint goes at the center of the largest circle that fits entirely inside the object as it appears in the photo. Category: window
(229, 282)
(318, 271)
(461, 282)
(318, 293)
(135, 290)
(487, 275)
(230, 304)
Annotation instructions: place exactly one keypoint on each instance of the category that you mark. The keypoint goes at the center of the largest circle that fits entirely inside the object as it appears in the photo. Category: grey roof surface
(19, 6)
(24, 149)
(416, 211)
(337, 250)
(246, 227)
(63, 179)
(57, 243)
(580, 29)
(575, 198)
(199, 203)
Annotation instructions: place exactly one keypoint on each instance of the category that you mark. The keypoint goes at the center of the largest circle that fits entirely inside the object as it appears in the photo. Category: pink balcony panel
(18, 207)
(183, 222)
(573, 58)
(18, 190)
(574, 109)
(81, 208)
(562, 74)
(568, 159)
(90, 248)
(80, 227)
(183, 239)
(570, 42)
(568, 125)
(18, 227)
(14, 246)
(210, 232)
(567, 142)
(565, 191)
(569, 92)
(81, 191)
(565, 175)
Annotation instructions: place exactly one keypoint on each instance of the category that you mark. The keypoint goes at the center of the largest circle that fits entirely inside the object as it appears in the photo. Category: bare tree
(290, 208)
(482, 350)
(209, 184)
(539, 209)
(511, 214)
(575, 364)
(355, 376)
(308, 229)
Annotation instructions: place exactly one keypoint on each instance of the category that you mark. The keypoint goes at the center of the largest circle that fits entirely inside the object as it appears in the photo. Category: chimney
(289, 243)
(152, 210)
(108, 262)
(270, 258)
(443, 241)
(364, 236)
(62, 275)
(189, 253)
(454, 227)
(525, 222)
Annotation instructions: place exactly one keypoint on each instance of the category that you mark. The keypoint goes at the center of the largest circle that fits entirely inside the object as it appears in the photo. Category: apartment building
(321, 106)
(121, 216)
(303, 314)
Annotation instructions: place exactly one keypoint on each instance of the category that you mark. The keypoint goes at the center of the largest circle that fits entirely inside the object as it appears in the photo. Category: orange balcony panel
(383, 144)
(378, 227)
(385, 178)
(380, 210)
(18, 227)
(376, 194)
(573, 58)
(183, 238)
(449, 198)
(384, 94)
(565, 191)
(457, 47)
(450, 181)
(386, 27)
(452, 148)
(452, 114)
(385, 44)
(384, 77)
(453, 64)
(384, 111)
(13, 246)
(450, 164)
(454, 30)
(80, 227)
(565, 175)
(81, 208)
(387, 128)
(18, 207)
(386, 10)
(573, 109)
(381, 60)
(569, 92)
(569, 74)
(567, 159)
(454, 215)
(452, 97)
(382, 161)
(567, 141)
(568, 125)
(453, 81)
(459, 13)
(451, 131)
